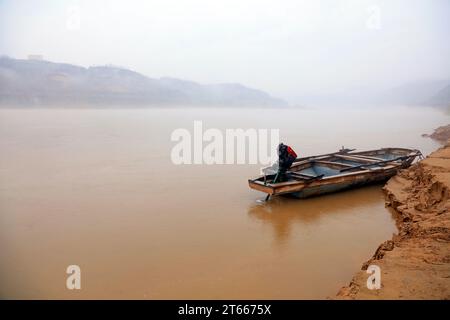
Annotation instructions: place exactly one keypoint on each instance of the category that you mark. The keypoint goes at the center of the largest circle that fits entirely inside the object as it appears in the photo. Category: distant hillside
(419, 93)
(441, 98)
(44, 83)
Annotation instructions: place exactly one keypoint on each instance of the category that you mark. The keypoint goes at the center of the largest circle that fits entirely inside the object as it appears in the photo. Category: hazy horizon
(291, 49)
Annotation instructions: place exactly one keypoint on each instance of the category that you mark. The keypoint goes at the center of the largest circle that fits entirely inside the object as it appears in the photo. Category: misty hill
(441, 98)
(36, 82)
(419, 93)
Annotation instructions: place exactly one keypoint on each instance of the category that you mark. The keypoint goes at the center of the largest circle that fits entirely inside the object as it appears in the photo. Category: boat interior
(318, 167)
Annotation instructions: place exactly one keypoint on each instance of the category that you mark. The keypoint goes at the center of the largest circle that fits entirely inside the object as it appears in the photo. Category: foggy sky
(288, 48)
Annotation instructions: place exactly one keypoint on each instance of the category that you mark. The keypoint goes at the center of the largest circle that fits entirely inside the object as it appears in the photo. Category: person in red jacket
(286, 156)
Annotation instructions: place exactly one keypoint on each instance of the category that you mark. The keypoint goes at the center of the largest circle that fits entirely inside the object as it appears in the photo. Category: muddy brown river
(98, 189)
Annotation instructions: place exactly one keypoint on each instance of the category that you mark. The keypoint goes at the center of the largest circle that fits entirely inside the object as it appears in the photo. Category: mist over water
(97, 188)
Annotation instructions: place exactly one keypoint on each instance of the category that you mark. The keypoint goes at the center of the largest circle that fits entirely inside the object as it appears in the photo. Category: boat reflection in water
(345, 209)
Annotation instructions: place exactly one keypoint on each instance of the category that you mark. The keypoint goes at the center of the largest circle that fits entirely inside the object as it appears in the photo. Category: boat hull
(338, 172)
(336, 187)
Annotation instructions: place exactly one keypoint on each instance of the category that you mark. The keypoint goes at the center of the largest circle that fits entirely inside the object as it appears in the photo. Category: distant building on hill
(37, 57)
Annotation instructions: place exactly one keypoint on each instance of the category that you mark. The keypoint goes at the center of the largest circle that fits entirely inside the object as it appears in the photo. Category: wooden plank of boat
(397, 151)
(366, 157)
(300, 175)
(375, 163)
(299, 162)
(356, 158)
(344, 151)
(378, 168)
(304, 176)
(337, 165)
(292, 182)
(260, 186)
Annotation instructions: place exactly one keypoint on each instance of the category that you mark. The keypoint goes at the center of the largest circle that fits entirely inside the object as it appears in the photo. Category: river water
(98, 189)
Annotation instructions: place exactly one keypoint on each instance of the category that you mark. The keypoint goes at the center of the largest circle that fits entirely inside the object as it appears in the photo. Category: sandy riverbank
(415, 264)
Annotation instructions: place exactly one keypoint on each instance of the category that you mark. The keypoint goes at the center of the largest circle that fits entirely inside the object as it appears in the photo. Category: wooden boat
(317, 175)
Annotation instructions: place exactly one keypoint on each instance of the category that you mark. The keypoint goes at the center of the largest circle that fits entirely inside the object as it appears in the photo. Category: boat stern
(260, 186)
